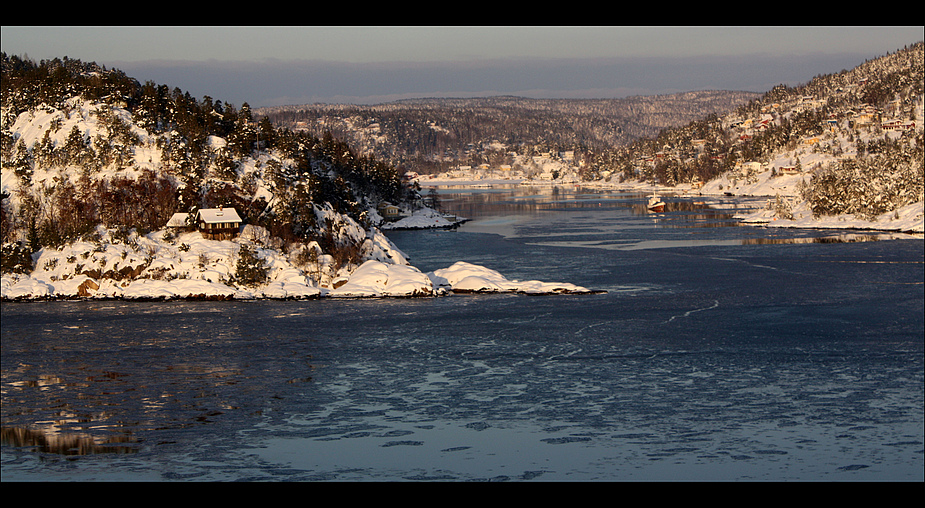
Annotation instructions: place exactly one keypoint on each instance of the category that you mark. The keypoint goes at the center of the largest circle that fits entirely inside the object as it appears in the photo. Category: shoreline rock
(373, 279)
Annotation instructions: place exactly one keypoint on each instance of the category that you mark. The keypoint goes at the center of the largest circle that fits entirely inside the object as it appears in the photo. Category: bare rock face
(86, 286)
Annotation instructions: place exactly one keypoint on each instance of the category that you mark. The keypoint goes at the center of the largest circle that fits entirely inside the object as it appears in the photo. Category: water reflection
(52, 441)
(508, 200)
(842, 238)
(611, 219)
(98, 372)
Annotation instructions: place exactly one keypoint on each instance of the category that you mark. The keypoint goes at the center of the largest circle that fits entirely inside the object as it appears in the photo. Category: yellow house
(389, 211)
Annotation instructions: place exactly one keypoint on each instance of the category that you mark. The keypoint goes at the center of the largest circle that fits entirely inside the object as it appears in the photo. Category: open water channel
(716, 352)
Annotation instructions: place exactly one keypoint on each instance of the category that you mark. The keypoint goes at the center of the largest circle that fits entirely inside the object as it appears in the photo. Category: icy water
(718, 352)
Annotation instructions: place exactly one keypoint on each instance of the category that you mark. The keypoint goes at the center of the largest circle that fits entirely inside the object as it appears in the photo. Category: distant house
(179, 221)
(750, 166)
(218, 223)
(896, 124)
(388, 211)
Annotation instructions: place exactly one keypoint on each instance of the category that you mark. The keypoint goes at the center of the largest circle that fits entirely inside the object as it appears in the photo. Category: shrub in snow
(251, 270)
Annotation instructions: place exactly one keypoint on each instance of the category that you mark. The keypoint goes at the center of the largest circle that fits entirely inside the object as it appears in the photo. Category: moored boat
(655, 204)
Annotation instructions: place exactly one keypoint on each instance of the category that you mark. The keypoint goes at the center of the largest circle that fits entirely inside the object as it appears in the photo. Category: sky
(282, 65)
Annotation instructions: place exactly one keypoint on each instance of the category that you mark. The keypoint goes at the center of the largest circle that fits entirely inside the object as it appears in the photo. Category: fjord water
(715, 352)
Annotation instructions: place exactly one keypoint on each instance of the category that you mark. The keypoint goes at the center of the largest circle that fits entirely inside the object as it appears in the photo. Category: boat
(655, 204)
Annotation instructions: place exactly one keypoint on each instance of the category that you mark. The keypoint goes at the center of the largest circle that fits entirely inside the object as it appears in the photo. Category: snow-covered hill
(845, 150)
(170, 263)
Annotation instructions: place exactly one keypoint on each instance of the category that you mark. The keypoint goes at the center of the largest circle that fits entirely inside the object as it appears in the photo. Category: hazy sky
(266, 66)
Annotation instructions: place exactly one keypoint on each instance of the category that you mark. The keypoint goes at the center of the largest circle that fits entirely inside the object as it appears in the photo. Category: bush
(15, 258)
(251, 269)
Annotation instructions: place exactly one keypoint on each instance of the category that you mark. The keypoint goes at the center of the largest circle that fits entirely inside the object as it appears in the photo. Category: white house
(218, 223)
(178, 221)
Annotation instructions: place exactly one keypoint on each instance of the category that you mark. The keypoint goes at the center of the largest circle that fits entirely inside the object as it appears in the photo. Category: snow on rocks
(191, 267)
(377, 279)
(16, 286)
(464, 277)
(423, 219)
(907, 219)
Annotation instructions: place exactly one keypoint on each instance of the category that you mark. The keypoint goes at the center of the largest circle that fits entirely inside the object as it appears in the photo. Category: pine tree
(251, 269)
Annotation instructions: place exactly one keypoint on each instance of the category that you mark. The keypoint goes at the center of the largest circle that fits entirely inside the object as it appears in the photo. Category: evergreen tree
(250, 269)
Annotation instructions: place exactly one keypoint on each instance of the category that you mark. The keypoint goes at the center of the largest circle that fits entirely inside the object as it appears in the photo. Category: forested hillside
(855, 136)
(85, 147)
(430, 135)
(89, 153)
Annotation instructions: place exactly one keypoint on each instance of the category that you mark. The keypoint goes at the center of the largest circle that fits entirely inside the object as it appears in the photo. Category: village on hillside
(813, 152)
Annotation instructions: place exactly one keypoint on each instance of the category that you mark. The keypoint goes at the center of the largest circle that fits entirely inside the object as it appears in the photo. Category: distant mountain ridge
(430, 130)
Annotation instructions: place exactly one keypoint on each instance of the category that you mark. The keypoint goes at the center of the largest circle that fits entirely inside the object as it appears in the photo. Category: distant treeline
(420, 131)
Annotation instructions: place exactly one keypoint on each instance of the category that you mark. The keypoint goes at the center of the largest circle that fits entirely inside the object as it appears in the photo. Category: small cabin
(389, 211)
(179, 222)
(218, 223)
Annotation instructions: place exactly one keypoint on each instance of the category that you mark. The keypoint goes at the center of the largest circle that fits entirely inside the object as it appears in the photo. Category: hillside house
(753, 167)
(179, 222)
(863, 118)
(218, 223)
(388, 211)
(898, 125)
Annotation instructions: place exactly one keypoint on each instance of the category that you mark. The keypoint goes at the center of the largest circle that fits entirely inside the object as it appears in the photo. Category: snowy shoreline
(189, 267)
(766, 186)
(371, 280)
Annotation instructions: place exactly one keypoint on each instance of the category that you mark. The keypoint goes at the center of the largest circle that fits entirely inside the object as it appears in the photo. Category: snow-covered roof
(213, 215)
(178, 220)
